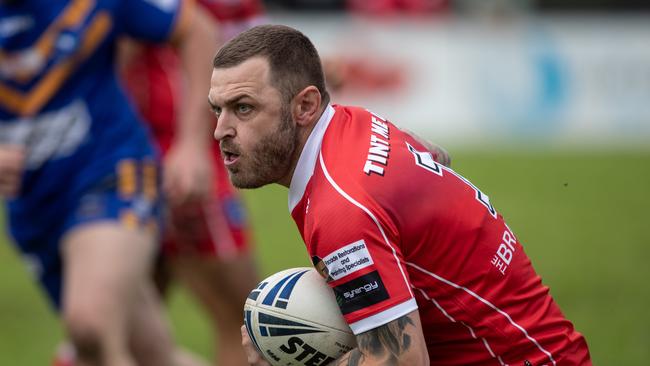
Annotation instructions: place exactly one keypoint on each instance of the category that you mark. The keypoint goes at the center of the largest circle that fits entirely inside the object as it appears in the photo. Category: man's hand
(254, 357)
(188, 175)
(12, 162)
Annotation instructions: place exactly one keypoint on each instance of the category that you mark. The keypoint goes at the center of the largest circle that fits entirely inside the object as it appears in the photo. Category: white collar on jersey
(307, 161)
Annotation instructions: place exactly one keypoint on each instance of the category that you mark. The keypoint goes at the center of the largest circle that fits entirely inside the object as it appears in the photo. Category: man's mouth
(229, 158)
(229, 152)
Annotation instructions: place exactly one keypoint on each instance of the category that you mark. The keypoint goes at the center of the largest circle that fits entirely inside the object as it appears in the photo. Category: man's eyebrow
(230, 101)
(212, 106)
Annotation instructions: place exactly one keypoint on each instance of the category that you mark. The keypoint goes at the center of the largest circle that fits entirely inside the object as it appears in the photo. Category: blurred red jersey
(233, 10)
(234, 16)
(394, 231)
(394, 7)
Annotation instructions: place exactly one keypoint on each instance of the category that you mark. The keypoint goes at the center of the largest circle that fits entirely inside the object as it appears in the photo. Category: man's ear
(306, 106)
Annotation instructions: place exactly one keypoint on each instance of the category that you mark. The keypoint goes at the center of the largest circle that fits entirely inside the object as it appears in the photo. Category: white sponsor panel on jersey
(51, 135)
(10, 26)
(164, 5)
(348, 259)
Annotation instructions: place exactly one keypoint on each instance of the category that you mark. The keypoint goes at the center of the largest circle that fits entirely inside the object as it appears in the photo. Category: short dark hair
(293, 59)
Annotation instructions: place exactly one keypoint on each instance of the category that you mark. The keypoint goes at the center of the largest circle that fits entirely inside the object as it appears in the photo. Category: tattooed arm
(399, 342)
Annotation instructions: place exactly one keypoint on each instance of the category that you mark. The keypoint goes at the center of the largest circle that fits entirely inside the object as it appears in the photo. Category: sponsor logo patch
(348, 259)
(360, 293)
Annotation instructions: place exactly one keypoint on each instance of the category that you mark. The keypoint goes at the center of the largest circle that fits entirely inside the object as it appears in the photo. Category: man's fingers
(9, 184)
(251, 354)
(253, 357)
(12, 161)
(12, 158)
(7, 191)
(181, 189)
(440, 155)
(186, 181)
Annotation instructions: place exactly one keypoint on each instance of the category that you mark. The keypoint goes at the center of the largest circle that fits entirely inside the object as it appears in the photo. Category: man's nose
(224, 127)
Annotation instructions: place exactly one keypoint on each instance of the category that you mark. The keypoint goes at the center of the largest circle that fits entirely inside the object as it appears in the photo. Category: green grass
(582, 217)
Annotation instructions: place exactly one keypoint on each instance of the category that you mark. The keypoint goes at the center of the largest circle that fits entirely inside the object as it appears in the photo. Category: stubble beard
(271, 159)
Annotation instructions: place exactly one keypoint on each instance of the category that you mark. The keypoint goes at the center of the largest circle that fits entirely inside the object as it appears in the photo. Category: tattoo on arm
(387, 343)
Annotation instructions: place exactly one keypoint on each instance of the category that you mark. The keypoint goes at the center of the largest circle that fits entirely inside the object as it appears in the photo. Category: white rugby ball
(293, 319)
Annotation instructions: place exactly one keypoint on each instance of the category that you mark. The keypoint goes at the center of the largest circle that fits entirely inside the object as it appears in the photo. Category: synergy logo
(281, 292)
(361, 292)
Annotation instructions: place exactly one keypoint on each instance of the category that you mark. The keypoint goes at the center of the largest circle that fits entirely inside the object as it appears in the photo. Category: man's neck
(303, 135)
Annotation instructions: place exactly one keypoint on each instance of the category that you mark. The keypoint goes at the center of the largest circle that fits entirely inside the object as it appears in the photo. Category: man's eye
(244, 108)
(217, 111)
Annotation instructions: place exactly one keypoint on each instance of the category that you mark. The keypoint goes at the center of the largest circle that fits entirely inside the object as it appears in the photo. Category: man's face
(255, 129)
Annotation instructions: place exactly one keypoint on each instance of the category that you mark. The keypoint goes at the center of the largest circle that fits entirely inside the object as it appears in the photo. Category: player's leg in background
(149, 330)
(211, 256)
(108, 302)
(109, 307)
(221, 287)
(148, 320)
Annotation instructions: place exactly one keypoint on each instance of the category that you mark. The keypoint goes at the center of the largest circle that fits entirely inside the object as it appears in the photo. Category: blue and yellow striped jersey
(60, 96)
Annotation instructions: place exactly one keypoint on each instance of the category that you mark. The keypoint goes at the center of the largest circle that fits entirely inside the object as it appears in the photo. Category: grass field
(582, 217)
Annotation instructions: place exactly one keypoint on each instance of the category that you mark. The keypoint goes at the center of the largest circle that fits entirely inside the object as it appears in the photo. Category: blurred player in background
(437, 277)
(207, 243)
(78, 171)
(393, 7)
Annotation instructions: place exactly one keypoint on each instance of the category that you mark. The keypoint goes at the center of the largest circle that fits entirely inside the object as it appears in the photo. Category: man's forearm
(390, 344)
(196, 51)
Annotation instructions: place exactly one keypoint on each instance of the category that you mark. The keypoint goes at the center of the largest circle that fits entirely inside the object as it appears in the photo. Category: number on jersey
(425, 160)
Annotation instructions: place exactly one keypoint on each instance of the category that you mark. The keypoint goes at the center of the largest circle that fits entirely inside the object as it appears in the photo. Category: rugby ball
(293, 319)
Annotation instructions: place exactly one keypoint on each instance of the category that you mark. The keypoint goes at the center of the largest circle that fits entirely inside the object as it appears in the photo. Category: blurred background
(544, 105)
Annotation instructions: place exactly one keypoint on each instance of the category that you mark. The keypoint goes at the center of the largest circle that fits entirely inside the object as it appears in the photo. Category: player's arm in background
(188, 165)
(399, 342)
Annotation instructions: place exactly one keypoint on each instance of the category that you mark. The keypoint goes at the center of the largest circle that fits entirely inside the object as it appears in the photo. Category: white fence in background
(567, 79)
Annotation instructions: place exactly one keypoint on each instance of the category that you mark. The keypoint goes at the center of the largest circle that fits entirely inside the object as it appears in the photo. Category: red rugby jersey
(393, 231)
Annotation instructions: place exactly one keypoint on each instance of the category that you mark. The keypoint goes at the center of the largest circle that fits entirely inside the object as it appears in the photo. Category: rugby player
(424, 268)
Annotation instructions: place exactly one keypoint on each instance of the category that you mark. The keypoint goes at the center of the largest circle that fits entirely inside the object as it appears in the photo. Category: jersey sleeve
(154, 20)
(352, 249)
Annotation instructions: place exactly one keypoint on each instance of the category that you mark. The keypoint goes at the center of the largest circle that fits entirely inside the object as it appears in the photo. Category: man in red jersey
(423, 267)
